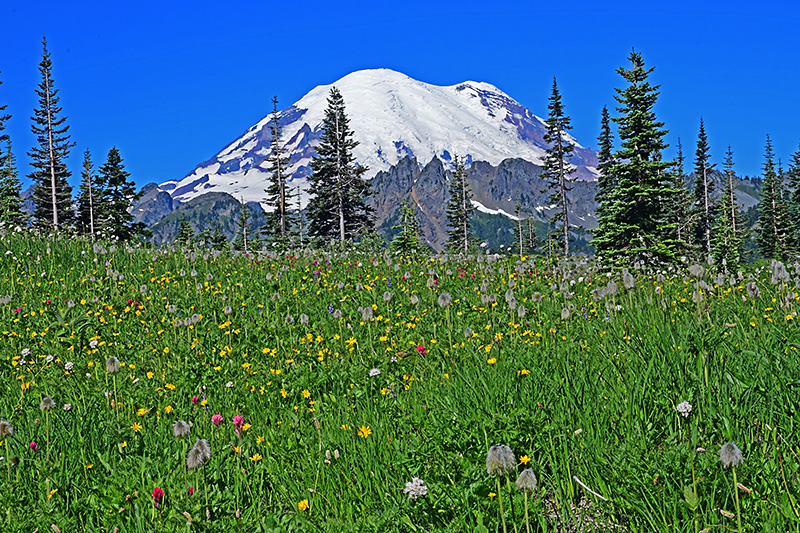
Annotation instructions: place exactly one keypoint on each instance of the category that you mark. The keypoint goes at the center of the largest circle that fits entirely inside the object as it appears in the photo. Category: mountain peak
(392, 116)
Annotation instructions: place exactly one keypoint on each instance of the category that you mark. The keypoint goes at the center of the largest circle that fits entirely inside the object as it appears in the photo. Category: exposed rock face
(153, 205)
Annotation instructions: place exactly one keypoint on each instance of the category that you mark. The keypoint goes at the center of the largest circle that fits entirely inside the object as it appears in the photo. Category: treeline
(646, 211)
(101, 208)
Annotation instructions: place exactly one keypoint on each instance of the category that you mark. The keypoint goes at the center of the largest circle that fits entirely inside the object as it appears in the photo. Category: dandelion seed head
(6, 429)
(527, 482)
(180, 429)
(730, 455)
(500, 460)
(112, 365)
(47, 404)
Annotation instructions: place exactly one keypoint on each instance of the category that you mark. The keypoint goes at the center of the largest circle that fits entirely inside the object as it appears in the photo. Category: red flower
(158, 495)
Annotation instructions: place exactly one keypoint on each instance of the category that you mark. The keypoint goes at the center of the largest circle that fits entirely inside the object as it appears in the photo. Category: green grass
(589, 401)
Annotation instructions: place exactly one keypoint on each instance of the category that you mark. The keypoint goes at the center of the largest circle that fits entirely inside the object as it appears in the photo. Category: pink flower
(158, 495)
(216, 420)
(238, 422)
(33, 446)
(130, 301)
(191, 491)
(421, 349)
(18, 309)
(195, 399)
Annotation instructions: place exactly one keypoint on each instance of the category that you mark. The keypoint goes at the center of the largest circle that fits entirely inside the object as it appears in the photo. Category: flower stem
(502, 514)
(736, 497)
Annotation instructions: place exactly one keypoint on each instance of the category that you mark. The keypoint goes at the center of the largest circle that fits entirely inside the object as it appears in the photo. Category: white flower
(49, 359)
(684, 408)
(69, 366)
(67, 406)
(374, 372)
(415, 488)
(229, 384)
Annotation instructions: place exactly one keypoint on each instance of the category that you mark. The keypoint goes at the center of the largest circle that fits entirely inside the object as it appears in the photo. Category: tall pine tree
(459, 210)
(727, 238)
(633, 226)
(704, 210)
(772, 236)
(118, 193)
(793, 200)
(337, 208)
(185, 235)
(11, 213)
(87, 197)
(277, 229)
(246, 239)
(677, 206)
(409, 241)
(52, 196)
(557, 168)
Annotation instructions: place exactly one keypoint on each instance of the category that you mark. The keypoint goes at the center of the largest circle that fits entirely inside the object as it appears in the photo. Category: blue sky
(170, 84)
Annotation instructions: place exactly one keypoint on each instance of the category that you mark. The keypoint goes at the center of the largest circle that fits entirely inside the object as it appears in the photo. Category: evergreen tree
(772, 236)
(793, 200)
(557, 168)
(459, 210)
(676, 206)
(337, 208)
(246, 239)
(605, 160)
(277, 229)
(204, 238)
(52, 196)
(704, 210)
(90, 191)
(218, 239)
(633, 226)
(11, 213)
(409, 242)
(113, 219)
(727, 239)
(185, 235)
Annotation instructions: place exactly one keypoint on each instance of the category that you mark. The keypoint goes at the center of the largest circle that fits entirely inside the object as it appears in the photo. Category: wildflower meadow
(162, 390)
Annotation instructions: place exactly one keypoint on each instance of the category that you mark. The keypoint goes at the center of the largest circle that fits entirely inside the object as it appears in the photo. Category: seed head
(47, 404)
(112, 365)
(527, 482)
(180, 429)
(730, 455)
(445, 299)
(415, 488)
(684, 408)
(6, 429)
(500, 460)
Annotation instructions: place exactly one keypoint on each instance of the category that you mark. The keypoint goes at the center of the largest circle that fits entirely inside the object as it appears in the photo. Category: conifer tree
(409, 242)
(87, 197)
(728, 236)
(185, 235)
(772, 236)
(633, 227)
(218, 239)
(793, 200)
(459, 210)
(246, 239)
(277, 229)
(676, 206)
(11, 213)
(52, 196)
(337, 208)
(704, 211)
(113, 219)
(557, 168)
(605, 160)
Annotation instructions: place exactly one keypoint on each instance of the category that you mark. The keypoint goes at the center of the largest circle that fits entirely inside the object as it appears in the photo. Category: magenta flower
(421, 349)
(238, 421)
(33, 446)
(158, 495)
(195, 399)
(216, 420)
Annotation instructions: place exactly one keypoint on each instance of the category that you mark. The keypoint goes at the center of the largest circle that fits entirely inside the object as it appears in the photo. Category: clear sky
(170, 83)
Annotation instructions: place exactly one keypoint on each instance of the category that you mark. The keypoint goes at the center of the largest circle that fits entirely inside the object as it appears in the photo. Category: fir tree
(793, 200)
(52, 196)
(728, 236)
(277, 229)
(704, 210)
(459, 210)
(409, 242)
(605, 160)
(633, 226)
(246, 239)
(337, 208)
(11, 213)
(113, 219)
(557, 168)
(772, 236)
(676, 206)
(185, 235)
(87, 198)
(218, 239)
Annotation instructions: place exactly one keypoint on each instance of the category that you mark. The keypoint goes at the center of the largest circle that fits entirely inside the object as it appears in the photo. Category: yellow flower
(168, 409)
(51, 493)
(523, 372)
(492, 494)
(166, 349)
(136, 427)
(259, 440)
(524, 459)
(142, 412)
(246, 427)
(364, 431)
(149, 375)
(284, 393)
(789, 317)
(302, 505)
(123, 444)
(256, 457)
(385, 391)
(306, 394)
(492, 361)
(90, 465)
(236, 449)
(170, 386)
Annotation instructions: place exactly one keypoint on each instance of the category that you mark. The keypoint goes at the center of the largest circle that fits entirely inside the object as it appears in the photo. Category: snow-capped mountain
(392, 116)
